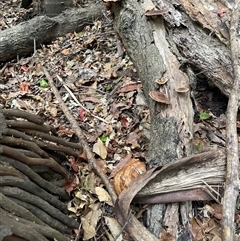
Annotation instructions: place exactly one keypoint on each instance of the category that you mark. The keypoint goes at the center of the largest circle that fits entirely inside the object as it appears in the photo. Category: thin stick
(232, 178)
(90, 157)
(75, 99)
(3, 68)
(130, 217)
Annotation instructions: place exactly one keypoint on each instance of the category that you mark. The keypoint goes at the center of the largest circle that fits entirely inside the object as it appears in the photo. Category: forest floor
(108, 102)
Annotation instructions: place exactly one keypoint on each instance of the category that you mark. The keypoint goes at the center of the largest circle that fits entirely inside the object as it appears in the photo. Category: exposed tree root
(32, 184)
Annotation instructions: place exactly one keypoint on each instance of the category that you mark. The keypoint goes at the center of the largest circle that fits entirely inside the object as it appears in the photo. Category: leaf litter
(106, 86)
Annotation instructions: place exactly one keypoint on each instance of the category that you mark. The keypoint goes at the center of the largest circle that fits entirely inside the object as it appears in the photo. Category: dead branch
(43, 29)
(39, 202)
(41, 214)
(23, 114)
(7, 204)
(30, 230)
(72, 149)
(29, 125)
(23, 168)
(32, 188)
(17, 155)
(84, 144)
(232, 176)
(29, 194)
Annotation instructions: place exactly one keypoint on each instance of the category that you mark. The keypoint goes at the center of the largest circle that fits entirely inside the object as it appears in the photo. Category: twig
(210, 191)
(83, 142)
(3, 68)
(232, 178)
(130, 217)
(79, 232)
(75, 99)
(91, 88)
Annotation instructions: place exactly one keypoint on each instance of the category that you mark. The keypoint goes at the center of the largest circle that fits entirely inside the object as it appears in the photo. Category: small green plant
(43, 83)
(116, 81)
(108, 87)
(103, 138)
(198, 147)
(205, 116)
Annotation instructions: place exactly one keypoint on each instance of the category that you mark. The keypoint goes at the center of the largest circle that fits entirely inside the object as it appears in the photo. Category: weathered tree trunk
(173, 46)
(19, 40)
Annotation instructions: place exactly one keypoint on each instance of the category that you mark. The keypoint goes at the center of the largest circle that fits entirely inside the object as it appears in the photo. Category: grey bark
(165, 46)
(19, 40)
(171, 127)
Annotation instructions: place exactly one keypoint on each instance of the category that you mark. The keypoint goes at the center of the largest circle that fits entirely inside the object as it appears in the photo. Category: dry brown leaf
(70, 186)
(89, 221)
(66, 51)
(130, 87)
(103, 195)
(100, 149)
(197, 229)
(121, 164)
(102, 164)
(218, 211)
(166, 235)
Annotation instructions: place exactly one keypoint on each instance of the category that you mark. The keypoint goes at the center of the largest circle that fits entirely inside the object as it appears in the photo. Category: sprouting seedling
(205, 116)
(43, 83)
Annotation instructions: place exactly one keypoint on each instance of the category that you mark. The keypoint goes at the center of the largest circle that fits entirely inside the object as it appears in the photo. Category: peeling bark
(173, 46)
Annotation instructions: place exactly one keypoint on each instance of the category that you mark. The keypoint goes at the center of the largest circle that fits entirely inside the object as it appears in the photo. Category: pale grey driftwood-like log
(19, 40)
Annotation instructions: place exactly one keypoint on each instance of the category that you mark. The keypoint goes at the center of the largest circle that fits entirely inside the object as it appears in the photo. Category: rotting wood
(194, 53)
(171, 125)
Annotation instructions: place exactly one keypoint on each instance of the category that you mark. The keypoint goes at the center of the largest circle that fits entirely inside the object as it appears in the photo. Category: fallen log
(21, 39)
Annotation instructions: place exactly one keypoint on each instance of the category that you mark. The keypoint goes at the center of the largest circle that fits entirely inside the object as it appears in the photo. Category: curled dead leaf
(129, 172)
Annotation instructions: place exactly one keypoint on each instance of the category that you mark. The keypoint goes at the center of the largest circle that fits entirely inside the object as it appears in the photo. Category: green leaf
(103, 138)
(116, 81)
(198, 148)
(86, 183)
(43, 83)
(205, 116)
(108, 87)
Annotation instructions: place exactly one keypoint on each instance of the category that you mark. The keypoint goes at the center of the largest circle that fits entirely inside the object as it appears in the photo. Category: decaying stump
(32, 179)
